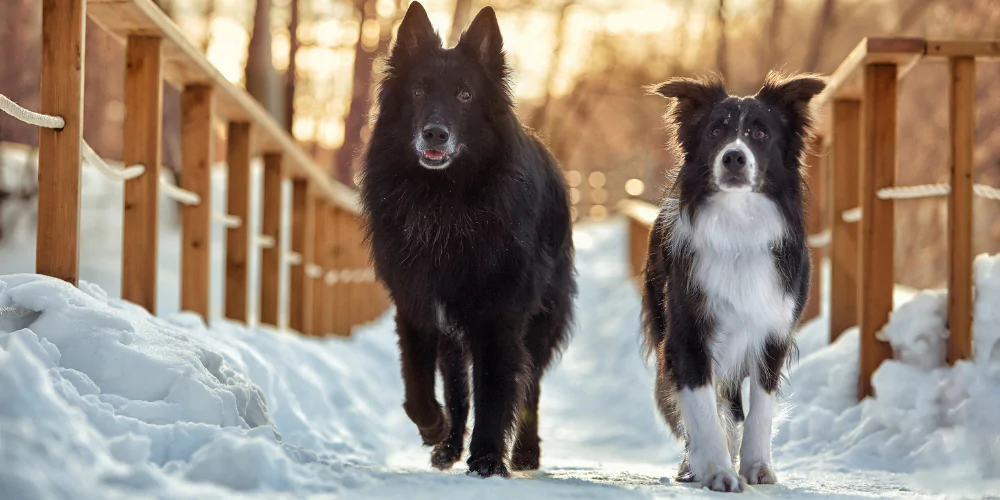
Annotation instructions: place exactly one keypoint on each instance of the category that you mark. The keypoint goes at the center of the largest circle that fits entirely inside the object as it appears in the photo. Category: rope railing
(30, 117)
(314, 271)
(920, 191)
(819, 240)
(348, 276)
(113, 173)
(264, 241)
(227, 220)
(293, 258)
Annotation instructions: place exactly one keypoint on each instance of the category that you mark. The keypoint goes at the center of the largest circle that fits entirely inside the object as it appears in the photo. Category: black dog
(468, 221)
(728, 270)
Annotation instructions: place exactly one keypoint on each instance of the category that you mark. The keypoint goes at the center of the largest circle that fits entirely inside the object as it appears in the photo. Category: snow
(102, 400)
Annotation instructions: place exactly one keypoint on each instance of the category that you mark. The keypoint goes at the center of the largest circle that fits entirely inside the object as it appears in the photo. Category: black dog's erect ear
(483, 41)
(415, 34)
(693, 96)
(791, 93)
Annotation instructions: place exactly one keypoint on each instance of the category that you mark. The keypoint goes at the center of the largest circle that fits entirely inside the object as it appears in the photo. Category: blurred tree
(290, 77)
(461, 17)
(538, 119)
(720, 51)
(261, 77)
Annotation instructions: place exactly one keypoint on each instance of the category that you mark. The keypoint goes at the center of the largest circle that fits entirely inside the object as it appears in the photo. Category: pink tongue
(433, 155)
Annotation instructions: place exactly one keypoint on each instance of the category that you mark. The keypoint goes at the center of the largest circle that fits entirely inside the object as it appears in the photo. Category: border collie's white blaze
(728, 271)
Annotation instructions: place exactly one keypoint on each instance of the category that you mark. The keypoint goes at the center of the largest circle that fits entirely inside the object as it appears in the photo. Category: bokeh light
(574, 196)
(597, 179)
(634, 187)
(573, 178)
(599, 195)
(598, 212)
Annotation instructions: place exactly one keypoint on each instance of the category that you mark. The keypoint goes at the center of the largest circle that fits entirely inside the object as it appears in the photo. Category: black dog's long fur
(679, 318)
(478, 256)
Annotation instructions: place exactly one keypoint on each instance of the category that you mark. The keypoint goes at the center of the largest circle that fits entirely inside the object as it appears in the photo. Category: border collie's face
(446, 94)
(741, 144)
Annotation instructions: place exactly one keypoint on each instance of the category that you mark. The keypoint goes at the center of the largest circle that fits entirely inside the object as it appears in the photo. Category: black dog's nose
(435, 135)
(734, 160)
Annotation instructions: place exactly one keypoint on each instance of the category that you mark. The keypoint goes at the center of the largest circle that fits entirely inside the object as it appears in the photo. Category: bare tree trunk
(772, 34)
(364, 62)
(824, 23)
(912, 14)
(460, 17)
(720, 50)
(293, 50)
(207, 14)
(538, 120)
(260, 73)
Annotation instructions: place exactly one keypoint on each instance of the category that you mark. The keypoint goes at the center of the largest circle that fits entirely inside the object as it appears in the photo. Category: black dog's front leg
(418, 353)
(499, 362)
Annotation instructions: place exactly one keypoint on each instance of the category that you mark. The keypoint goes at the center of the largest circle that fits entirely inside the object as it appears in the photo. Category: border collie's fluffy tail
(654, 281)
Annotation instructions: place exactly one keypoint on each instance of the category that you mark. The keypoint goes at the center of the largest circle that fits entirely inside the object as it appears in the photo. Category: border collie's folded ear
(483, 41)
(693, 96)
(415, 34)
(791, 93)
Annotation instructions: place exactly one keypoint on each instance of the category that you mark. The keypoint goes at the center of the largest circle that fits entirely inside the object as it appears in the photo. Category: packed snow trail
(100, 400)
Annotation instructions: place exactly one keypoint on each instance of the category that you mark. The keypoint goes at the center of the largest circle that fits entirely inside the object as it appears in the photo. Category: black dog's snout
(734, 160)
(435, 135)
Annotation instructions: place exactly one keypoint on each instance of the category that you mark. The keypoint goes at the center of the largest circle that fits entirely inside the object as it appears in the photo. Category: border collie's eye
(418, 92)
(760, 134)
(716, 132)
(465, 96)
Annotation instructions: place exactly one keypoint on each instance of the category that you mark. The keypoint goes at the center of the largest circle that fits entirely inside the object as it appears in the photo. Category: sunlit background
(580, 67)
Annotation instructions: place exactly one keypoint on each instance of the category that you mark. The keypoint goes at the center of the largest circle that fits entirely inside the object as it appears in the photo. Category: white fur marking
(708, 452)
(755, 452)
(732, 239)
(719, 169)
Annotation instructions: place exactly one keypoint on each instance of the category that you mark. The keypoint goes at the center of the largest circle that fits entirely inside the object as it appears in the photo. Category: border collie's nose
(734, 160)
(435, 135)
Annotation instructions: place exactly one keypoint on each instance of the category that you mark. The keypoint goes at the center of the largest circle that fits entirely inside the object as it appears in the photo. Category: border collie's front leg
(418, 354)
(499, 360)
(755, 453)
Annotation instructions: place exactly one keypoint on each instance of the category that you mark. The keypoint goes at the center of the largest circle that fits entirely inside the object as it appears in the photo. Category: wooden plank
(196, 220)
(341, 299)
(876, 252)
(143, 131)
(815, 224)
(186, 65)
(355, 258)
(330, 260)
(57, 248)
(975, 48)
(319, 298)
(962, 114)
(299, 288)
(270, 261)
(238, 238)
(846, 82)
(845, 156)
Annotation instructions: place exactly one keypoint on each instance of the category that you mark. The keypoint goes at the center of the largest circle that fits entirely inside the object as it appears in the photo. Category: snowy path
(99, 400)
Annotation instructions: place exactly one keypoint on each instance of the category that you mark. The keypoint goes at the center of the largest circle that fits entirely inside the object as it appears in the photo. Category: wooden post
(962, 113)
(196, 220)
(330, 261)
(341, 300)
(238, 204)
(844, 157)
(355, 258)
(57, 248)
(638, 236)
(815, 224)
(320, 295)
(270, 261)
(143, 131)
(876, 252)
(299, 289)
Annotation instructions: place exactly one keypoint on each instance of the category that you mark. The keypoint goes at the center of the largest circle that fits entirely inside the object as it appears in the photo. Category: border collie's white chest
(732, 237)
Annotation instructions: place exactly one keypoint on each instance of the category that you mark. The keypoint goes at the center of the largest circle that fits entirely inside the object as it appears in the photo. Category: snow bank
(926, 416)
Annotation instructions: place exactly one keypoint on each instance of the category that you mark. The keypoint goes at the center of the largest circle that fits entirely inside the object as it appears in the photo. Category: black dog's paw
(435, 433)
(445, 455)
(488, 464)
(525, 458)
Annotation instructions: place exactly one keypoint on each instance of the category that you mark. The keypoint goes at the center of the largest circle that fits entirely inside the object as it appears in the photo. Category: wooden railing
(852, 179)
(332, 287)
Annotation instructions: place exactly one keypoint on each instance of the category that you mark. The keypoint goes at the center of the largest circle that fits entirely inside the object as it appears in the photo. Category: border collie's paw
(758, 473)
(723, 480)
(488, 464)
(445, 455)
(525, 458)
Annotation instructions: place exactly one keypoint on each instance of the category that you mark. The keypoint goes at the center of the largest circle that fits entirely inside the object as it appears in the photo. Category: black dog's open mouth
(434, 158)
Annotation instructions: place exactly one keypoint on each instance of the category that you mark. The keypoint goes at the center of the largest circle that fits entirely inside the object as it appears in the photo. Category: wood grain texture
(962, 114)
(329, 261)
(299, 288)
(341, 299)
(196, 221)
(816, 172)
(57, 249)
(320, 304)
(948, 48)
(143, 132)
(876, 252)
(270, 261)
(354, 257)
(238, 151)
(845, 156)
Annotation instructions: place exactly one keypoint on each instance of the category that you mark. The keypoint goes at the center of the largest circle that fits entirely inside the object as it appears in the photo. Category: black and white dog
(728, 270)
(470, 229)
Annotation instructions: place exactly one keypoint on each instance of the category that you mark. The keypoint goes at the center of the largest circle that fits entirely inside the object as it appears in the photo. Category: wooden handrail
(184, 65)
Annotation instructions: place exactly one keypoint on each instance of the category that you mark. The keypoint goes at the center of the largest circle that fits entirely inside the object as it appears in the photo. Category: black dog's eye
(760, 134)
(716, 132)
(464, 96)
(418, 92)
